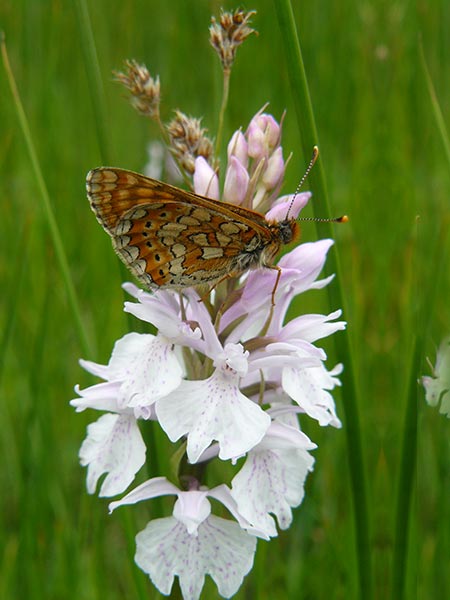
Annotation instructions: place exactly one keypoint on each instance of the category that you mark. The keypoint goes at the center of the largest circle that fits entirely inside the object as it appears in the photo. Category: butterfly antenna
(342, 219)
(302, 180)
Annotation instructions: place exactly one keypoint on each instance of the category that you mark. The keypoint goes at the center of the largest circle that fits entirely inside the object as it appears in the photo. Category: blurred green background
(386, 168)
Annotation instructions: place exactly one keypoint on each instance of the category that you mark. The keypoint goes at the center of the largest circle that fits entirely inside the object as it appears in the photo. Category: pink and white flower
(192, 542)
(227, 376)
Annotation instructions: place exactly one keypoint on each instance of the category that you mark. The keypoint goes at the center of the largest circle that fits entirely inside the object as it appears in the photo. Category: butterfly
(172, 238)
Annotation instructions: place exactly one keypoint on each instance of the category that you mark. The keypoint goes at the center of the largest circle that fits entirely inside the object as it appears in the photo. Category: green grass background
(385, 166)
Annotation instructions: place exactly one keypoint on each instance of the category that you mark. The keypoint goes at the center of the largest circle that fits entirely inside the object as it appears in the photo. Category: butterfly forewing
(113, 192)
(168, 237)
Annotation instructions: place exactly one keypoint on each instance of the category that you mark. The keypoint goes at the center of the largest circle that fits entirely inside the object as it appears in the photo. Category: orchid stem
(226, 89)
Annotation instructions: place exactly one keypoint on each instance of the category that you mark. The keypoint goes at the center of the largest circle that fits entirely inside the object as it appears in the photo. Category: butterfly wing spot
(93, 188)
(168, 242)
(139, 267)
(118, 193)
(102, 176)
(121, 241)
(230, 228)
(209, 253)
(176, 265)
(178, 250)
(137, 214)
(188, 220)
(129, 254)
(123, 226)
(222, 239)
(173, 228)
(201, 214)
(199, 239)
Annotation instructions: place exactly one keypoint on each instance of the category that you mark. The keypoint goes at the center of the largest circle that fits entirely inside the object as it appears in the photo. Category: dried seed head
(188, 141)
(144, 90)
(229, 33)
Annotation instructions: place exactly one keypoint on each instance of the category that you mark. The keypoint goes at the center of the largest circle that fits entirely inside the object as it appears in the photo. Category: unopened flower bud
(238, 147)
(255, 138)
(236, 182)
(206, 182)
(274, 171)
(263, 136)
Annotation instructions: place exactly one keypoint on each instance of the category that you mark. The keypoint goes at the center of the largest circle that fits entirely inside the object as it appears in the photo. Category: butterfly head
(289, 230)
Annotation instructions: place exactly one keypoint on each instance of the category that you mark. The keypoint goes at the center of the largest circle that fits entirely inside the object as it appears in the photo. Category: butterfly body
(171, 238)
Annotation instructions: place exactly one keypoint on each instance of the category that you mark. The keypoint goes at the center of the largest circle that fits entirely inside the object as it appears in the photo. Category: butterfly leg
(277, 281)
(272, 305)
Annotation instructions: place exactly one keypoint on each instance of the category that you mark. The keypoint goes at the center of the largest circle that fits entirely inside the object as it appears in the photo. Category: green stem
(19, 259)
(223, 107)
(440, 123)
(406, 476)
(94, 79)
(48, 210)
(352, 428)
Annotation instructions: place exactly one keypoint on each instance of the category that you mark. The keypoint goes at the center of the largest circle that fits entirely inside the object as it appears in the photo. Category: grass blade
(46, 204)
(425, 310)
(437, 112)
(352, 427)
(94, 78)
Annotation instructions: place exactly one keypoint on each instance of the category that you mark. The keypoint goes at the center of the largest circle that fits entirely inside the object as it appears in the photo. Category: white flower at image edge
(437, 388)
(192, 543)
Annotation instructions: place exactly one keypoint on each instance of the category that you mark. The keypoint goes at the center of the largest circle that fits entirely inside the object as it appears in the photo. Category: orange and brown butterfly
(171, 238)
